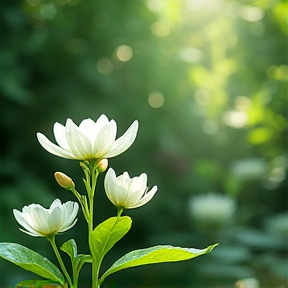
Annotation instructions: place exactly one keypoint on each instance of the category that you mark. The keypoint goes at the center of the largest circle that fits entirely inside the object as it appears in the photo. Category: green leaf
(39, 284)
(107, 233)
(31, 261)
(156, 254)
(70, 248)
(80, 260)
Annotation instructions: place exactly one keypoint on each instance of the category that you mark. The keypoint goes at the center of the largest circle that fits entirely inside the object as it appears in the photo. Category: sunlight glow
(236, 119)
(195, 5)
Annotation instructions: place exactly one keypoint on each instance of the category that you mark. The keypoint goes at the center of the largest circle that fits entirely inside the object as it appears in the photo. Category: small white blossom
(212, 207)
(250, 168)
(41, 222)
(91, 140)
(126, 192)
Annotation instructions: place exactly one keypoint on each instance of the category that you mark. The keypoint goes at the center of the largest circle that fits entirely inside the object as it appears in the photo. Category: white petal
(72, 210)
(55, 203)
(54, 149)
(145, 199)
(78, 142)
(128, 199)
(54, 220)
(68, 227)
(18, 216)
(89, 128)
(38, 219)
(115, 191)
(101, 121)
(142, 184)
(104, 140)
(123, 179)
(126, 175)
(121, 196)
(109, 183)
(143, 180)
(124, 142)
(60, 136)
(110, 175)
(136, 189)
(137, 184)
(32, 234)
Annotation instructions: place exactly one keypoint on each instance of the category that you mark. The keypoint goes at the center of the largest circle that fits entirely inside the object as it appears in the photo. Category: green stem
(51, 239)
(90, 227)
(91, 180)
(75, 277)
(83, 202)
(119, 212)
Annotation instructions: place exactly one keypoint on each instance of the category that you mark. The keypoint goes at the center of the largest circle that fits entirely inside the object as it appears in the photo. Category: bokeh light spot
(210, 127)
(156, 6)
(105, 65)
(236, 119)
(243, 103)
(124, 53)
(278, 72)
(251, 14)
(156, 100)
(48, 11)
(190, 54)
(160, 29)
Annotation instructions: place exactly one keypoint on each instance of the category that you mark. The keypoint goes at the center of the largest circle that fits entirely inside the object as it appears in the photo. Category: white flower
(212, 207)
(41, 222)
(126, 192)
(91, 140)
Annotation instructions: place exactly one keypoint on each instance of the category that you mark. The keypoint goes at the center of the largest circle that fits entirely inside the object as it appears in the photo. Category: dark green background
(209, 60)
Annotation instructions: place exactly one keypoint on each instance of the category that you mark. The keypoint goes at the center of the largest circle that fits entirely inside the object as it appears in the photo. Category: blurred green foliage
(207, 81)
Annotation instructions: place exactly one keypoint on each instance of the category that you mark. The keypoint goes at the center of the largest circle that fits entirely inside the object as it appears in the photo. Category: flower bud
(102, 165)
(64, 181)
